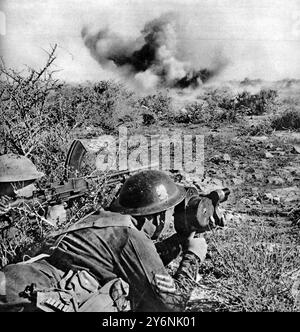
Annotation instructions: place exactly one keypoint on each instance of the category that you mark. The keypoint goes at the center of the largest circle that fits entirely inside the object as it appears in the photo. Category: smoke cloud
(207, 41)
(156, 58)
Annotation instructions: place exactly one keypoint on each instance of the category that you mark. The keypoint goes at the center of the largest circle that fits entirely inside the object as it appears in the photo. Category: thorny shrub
(221, 105)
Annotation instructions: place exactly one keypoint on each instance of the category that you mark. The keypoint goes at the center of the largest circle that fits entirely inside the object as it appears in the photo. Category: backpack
(79, 291)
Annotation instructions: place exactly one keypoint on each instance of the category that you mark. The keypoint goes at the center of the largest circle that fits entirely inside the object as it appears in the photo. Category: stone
(296, 149)
(276, 180)
(276, 200)
(268, 196)
(237, 181)
(268, 155)
(258, 176)
(226, 157)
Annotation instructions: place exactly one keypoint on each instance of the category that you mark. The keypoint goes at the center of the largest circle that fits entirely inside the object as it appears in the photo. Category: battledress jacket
(111, 252)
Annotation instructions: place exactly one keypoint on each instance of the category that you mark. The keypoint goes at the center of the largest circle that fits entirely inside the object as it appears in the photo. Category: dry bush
(260, 129)
(249, 270)
(28, 127)
(203, 113)
(23, 101)
(157, 104)
(288, 120)
(244, 103)
(256, 104)
(222, 105)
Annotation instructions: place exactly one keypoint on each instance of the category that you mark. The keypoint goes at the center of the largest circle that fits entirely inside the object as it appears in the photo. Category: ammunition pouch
(80, 292)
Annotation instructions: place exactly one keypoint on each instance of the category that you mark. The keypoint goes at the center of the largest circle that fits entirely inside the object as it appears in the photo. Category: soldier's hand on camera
(57, 214)
(197, 245)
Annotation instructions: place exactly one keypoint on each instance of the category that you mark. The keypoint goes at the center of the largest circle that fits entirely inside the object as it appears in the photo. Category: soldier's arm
(154, 285)
(169, 248)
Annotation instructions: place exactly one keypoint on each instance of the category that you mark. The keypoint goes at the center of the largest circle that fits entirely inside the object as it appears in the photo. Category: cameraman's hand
(56, 213)
(197, 245)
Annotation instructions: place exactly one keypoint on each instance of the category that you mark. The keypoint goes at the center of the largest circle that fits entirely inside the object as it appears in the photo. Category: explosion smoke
(152, 59)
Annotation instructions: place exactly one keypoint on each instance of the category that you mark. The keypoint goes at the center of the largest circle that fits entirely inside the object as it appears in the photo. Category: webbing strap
(101, 220)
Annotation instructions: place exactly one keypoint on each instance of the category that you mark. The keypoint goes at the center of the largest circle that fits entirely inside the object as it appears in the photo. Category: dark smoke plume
(152, 59)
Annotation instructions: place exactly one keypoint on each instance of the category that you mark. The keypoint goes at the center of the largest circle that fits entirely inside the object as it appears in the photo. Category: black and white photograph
(149, 158)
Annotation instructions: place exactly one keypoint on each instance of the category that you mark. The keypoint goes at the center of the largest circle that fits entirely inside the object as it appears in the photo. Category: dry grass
(249, 269)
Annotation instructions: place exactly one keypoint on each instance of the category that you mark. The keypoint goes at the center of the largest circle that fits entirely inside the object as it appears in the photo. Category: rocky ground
(263, 174)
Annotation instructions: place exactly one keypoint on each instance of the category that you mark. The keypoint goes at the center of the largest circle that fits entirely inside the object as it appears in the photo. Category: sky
(258, 38)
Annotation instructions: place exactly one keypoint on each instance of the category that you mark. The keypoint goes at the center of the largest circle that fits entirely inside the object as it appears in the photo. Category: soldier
(112, 250)
(18, 177)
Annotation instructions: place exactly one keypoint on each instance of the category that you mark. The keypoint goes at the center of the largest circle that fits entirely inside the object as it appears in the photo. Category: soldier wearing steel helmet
(18, 176)
(120, 244)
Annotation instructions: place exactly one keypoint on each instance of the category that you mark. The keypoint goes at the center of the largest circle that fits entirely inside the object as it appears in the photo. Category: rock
(228, 216)
(258, 176)
(276, 180)
(217, 159)
(296, 149)
(276, 200)
(236, 165)
(268, 155)
(237, 181)
(226, 157)
(268, 196)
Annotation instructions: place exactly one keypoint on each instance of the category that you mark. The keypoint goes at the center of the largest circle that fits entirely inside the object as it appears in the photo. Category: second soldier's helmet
(15, 168)
(148, 192)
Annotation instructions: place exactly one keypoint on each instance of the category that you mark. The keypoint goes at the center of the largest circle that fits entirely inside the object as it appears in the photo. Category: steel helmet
(148, 192)
(17, 168)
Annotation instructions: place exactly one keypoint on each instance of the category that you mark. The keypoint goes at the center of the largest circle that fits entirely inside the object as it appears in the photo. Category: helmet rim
(153, 208)
(13, 178)
(15, 168)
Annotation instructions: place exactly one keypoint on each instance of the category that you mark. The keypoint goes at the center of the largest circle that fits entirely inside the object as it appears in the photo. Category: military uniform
(115, 244)
(111, 252)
